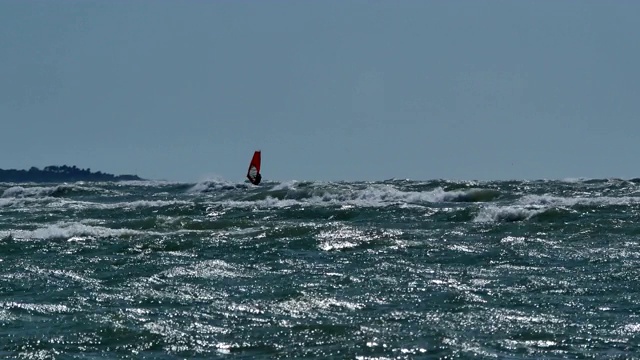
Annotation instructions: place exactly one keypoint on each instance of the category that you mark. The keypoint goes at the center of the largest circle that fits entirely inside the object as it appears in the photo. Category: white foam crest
(143, 204)
(200, 187)
(268, 202)
(69, 231)
(531, 205)
(43, 191)
(47, 191)
(576, 180)
(149, 183)
(507, 213)
(389, 194)
(374, 196)
(214, 184)
(471, 194)
(119, 205)
(558, 201)
(383, 195)
(288, 185)
(24, 201)
(7, 202)
(19, 191)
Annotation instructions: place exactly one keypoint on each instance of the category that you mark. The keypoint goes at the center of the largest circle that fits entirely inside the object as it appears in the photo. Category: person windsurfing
(253, 174)
(256, 180)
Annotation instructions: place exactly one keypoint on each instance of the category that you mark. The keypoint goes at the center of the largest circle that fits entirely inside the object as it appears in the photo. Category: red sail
(253, 174)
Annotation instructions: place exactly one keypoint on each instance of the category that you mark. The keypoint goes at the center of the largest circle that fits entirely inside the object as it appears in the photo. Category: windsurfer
(253, 174)
(255, 180)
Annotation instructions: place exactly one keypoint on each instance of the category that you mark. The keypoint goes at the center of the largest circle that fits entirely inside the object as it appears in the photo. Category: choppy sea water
(359, 270)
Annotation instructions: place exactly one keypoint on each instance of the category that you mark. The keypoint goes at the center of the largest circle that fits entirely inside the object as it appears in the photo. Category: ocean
(396, 269)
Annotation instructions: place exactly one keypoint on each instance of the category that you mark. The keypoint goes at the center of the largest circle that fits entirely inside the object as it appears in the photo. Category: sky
(328, 90)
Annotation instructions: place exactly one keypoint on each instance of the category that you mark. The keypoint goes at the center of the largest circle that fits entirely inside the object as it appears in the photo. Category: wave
(54, 203)
(551, 200)
(363, 195)
(508, 213)
(463, 201)
(63, 190)
(216, 185)
(548, 207)
(130, 205)
(69, 231)
(81, 231)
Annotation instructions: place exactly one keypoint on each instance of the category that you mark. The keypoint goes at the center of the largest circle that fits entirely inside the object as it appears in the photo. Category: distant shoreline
(62, 173)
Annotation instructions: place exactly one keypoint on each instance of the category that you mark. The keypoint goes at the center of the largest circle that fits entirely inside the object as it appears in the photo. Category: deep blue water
(382, 270)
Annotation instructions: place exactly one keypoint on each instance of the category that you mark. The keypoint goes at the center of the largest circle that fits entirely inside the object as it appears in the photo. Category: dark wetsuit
(255, 181)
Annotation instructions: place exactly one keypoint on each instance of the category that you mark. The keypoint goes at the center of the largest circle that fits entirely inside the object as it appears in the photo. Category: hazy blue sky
(329, 90)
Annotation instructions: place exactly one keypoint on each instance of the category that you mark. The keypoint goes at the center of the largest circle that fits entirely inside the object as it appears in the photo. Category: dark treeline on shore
(62, 173)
